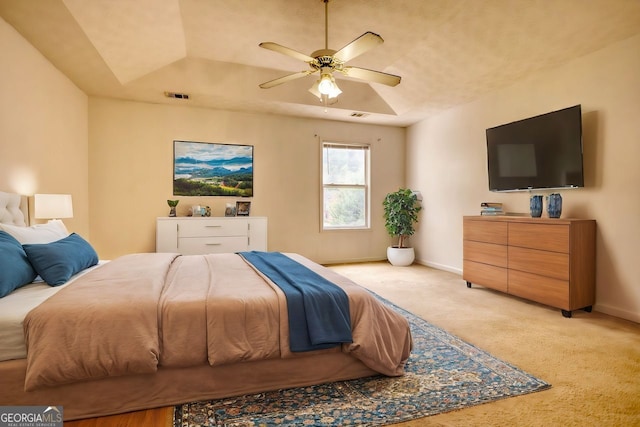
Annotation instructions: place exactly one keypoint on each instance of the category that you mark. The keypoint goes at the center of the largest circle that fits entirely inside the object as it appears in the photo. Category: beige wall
(447, 162)
(43, 128)
(130, 163)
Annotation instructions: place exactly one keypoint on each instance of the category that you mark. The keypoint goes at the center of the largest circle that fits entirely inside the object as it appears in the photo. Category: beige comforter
(143, 311)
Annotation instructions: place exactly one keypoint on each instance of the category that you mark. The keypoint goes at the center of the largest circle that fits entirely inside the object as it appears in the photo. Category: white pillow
(40, 233)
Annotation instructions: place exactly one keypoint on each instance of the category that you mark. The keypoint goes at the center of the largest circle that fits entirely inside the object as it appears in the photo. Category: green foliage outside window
(345, 186)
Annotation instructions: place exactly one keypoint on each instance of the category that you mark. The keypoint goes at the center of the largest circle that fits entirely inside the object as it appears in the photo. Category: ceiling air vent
(176, 95)
(355, 114)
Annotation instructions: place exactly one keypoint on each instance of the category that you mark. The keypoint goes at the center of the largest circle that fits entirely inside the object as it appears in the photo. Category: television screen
(544, 151)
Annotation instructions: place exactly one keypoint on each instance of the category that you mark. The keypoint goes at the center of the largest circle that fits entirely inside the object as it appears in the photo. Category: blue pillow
(57, 261)
(15, 269)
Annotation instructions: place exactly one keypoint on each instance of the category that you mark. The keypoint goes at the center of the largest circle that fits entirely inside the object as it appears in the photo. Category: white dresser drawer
(188, 235)
(211, 245)
(209, 227)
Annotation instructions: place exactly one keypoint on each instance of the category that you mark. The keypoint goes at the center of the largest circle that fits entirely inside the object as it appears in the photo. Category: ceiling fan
(326, 61)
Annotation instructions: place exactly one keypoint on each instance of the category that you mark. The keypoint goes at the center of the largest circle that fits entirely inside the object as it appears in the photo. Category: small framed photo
(243, 208)
(230, 210)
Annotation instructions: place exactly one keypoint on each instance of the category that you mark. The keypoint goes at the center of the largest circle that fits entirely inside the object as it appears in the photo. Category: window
(345, 186)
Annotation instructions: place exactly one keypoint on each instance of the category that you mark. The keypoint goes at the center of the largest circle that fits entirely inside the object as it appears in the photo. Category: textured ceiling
(448, 52)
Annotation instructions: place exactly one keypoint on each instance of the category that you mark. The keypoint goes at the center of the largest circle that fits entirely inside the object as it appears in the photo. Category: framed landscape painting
(212, 169)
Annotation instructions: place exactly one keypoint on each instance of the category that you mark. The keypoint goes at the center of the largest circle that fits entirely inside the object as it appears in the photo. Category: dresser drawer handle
(213, 244)
(213, 226)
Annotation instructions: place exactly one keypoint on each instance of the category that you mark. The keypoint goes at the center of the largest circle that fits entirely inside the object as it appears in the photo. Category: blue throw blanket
(318, 309)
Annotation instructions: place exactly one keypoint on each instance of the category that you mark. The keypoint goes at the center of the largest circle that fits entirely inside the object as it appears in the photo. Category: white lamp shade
(325, 85)
(335, 90)
(53, 206)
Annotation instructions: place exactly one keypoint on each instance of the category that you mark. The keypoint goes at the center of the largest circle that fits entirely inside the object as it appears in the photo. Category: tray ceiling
(447, 52)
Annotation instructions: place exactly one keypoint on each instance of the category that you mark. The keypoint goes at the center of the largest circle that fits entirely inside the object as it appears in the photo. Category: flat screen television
(540, 152)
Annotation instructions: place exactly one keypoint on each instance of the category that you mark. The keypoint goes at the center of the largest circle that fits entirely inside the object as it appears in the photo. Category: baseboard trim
(616, 312)
(351, 261)
(440, 266)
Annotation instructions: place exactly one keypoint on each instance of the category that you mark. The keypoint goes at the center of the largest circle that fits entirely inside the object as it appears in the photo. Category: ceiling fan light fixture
(331, 89)
(326, 85)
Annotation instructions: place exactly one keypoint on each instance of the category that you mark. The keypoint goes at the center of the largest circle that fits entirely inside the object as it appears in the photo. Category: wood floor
(160, 417)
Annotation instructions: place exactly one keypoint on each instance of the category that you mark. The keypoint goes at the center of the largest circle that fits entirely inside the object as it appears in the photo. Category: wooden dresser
(202, 235)
(550, 261)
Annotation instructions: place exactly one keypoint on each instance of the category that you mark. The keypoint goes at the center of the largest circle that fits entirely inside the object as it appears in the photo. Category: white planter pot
(400, 257)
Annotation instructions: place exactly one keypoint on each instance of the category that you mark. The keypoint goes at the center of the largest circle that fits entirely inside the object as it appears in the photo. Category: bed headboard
(14, 209)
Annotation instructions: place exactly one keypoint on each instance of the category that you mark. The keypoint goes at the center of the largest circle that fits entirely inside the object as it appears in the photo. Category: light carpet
(443, 374)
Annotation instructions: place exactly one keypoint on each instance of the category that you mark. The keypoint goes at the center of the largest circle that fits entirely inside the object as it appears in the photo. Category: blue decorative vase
(535, 204)
(554, 205)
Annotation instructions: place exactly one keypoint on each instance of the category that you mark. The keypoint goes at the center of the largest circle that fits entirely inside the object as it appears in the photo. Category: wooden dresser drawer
(485, 275)
(549, 264)
(485, 231)
(212, 227)
(211, 245)
(486, 253)
(546, 237)
(545, 290)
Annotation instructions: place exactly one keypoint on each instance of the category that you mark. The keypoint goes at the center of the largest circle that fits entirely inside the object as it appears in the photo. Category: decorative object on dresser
(554, 205)
(550, 261)
(201, 235)
(491, 208)
(400, 214)
(230, 210)
(172, 205)
(535, 205)
(243, 208)
(198, 210)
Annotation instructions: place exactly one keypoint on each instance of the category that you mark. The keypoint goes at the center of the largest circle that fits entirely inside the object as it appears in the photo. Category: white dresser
(202, 235)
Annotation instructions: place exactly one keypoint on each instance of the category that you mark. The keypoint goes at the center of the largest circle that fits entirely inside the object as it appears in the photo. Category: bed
(152, 330)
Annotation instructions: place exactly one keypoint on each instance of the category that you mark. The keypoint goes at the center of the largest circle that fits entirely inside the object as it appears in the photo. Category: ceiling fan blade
(286, 51)
(285, 79)
(372, 76)
(359, 46)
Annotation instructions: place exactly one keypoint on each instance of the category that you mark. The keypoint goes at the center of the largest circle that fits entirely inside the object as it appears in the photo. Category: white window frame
(366, 186)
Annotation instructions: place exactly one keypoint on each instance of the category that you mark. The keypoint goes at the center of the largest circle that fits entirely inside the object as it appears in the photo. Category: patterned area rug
(443, 374)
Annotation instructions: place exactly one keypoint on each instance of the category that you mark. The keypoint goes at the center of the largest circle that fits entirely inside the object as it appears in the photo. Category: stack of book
(491, 208)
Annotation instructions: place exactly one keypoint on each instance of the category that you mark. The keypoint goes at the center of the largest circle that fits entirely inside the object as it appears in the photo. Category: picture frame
(212, 169)
(243, 208)
(230, 210)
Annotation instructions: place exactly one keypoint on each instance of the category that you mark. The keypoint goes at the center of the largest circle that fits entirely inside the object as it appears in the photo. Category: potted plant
(172, 205)
(400, 214)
